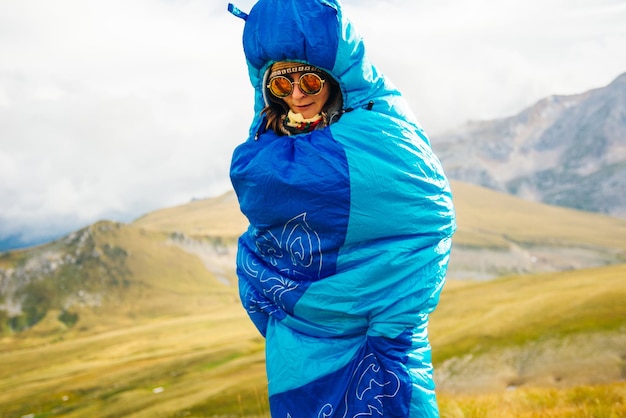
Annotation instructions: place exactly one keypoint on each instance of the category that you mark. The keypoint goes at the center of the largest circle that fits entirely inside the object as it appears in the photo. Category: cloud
(481, 59)
(111, 109)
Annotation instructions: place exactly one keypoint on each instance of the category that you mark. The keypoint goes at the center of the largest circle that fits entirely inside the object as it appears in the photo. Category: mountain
(143, 319)
(109, 271)
(565, 150)
(166, 257)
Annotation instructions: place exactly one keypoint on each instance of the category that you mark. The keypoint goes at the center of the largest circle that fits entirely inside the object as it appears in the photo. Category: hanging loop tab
(237, 12)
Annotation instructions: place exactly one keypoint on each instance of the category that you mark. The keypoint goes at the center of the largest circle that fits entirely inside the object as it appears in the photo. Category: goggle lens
(280, 86)
(309, 83)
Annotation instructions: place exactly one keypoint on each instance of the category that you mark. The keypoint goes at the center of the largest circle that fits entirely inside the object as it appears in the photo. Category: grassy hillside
(143, 320)
(486, 219)
(153, 368)
(219, 216)
(558, 329)
(558, 339)
(498, 234)
(502, 235)
(111, 273)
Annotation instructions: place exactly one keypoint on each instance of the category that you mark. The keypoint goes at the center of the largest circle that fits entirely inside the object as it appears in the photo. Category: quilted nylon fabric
(350, 230)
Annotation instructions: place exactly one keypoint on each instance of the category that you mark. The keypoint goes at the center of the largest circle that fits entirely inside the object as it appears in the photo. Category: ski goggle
(309, 83)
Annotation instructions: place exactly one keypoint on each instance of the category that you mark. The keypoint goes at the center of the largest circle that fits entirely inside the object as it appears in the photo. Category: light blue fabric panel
(397, 184)
(290, 362)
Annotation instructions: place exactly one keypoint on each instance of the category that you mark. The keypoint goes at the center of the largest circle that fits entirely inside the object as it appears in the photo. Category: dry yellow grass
(219, 216)
(153, 368)
(486, 217)
(211, 362)
(560, 329)
(176, 342)
(602, 401)
(516, 305)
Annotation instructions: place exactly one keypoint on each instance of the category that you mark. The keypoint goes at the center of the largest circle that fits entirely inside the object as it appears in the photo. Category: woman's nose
(296, 91)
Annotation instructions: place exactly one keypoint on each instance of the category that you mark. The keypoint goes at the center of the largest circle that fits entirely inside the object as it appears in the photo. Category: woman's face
(307, 106)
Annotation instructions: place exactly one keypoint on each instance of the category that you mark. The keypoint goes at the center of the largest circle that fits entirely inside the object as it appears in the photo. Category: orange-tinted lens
(280, 86)
(310, 83)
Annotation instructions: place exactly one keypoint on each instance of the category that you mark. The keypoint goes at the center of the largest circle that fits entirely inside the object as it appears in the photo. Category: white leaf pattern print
(368, 386)
(293, 256)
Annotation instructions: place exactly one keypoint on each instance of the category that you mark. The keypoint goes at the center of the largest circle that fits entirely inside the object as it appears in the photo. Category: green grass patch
(514, 311)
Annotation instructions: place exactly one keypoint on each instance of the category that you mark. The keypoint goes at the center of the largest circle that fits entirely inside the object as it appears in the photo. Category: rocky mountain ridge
(188, 253)
(110, 266)
(565, 150)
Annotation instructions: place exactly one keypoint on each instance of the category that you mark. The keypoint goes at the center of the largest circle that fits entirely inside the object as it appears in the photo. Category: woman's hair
(277, 108)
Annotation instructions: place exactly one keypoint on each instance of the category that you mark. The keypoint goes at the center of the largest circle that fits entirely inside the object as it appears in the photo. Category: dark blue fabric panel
(295, 192)
(312, 38)
(374, 384)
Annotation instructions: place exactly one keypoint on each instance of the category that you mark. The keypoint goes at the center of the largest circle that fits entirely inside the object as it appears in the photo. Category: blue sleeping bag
(350, 230)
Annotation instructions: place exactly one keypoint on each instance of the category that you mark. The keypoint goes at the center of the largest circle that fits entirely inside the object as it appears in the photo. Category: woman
(351, 219)
(301, 98)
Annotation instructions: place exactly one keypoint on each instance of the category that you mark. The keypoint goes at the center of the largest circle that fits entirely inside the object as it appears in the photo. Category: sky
(113, 109)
